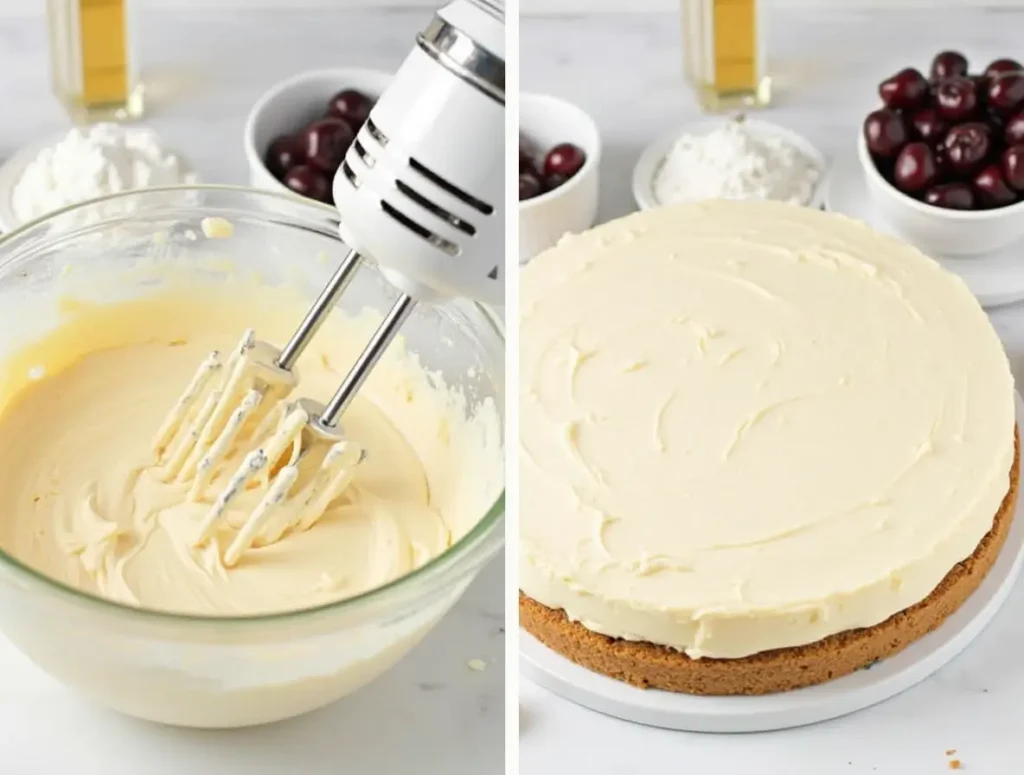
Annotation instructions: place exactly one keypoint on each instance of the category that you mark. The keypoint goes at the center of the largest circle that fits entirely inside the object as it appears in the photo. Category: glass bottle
(724, 53)
(94, 68)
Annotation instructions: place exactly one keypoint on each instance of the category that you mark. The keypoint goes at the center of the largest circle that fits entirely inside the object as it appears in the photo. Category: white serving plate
(801, 706)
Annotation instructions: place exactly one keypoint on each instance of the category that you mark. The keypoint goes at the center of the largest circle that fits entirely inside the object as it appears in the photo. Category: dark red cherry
(929, 125)
(952, 196)
(326, 142)
(885, 133)
(1013, 132)
(942, 166)
(1000, 66)
(308, 181)
(915, 168)
(1006, 92)
(1012, 164)
(553, 181)
(947, 64)
(907, 89)
(526, 163)
(529, 186)
(991, 188)
(980, 87)
(967, 146)
(284, 153)
(564, 159)
(352, 106)
(955, 99)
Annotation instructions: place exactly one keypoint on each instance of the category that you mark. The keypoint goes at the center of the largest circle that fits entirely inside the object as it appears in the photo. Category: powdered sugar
(95, 161)
(734, 162)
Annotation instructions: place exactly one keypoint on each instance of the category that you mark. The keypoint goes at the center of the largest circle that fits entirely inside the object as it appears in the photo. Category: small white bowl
(290, 105)
(544, 122)
(936, 230)
(649, 164)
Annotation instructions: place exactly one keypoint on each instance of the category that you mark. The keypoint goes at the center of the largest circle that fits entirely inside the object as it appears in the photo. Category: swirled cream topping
(85, 502)
(747, 426)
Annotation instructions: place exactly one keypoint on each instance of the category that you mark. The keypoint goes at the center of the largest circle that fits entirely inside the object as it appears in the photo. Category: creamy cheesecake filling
(85, 502)
(748, 426)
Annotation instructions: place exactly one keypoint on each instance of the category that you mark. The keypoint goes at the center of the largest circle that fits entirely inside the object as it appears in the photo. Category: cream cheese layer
(747, 426)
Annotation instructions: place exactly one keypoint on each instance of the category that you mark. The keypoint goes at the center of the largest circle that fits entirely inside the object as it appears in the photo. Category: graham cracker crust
(647, 665)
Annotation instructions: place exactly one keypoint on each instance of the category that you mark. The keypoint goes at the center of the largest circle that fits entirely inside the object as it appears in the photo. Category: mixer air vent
(455, 191)
(463, 226)
(418, 229)
(364, 157)
(375, 133)
(434, 239)
(372, 146)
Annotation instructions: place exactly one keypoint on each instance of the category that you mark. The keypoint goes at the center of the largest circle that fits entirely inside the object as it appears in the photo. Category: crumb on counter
(477, 665)
(950, 751)
(954, 764)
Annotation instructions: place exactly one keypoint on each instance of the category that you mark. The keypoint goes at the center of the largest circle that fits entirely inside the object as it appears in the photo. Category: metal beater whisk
(419, 191)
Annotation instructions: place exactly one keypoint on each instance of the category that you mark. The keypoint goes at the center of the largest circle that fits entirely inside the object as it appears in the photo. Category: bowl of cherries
(299, 131)
(944, 156)
(559, 156)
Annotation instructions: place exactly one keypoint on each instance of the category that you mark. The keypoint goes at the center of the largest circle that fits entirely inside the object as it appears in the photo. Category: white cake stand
(802, 706)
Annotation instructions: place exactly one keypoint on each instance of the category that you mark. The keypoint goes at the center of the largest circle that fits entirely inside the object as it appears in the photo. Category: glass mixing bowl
(214, 671)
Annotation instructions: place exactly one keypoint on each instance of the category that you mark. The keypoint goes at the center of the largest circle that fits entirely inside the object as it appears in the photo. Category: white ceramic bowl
(651, 160)
(936, 230)
(544, 122)
(291, 104)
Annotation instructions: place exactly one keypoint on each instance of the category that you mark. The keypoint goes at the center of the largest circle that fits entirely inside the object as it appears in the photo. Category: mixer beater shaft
(318, 313)
(364, 364)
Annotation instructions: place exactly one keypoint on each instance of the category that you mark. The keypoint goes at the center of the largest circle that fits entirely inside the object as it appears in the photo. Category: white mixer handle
(421, 189)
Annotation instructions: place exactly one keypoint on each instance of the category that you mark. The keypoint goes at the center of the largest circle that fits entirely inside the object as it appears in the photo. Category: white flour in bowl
(92, 162)
(733, 162)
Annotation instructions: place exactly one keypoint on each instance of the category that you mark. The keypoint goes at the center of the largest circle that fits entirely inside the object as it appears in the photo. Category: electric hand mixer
(420, 192)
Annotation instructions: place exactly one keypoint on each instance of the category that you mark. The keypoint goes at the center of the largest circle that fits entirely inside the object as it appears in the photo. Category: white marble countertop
(431, 714)
(625, 70)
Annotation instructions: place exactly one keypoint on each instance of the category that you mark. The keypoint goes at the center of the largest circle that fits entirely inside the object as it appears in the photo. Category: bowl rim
(967, 216)
(593, 159)
(456, 556)
(258, 110)
(651, 160)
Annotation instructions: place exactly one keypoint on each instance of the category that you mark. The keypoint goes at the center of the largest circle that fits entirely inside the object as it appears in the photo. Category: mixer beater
(419, 192)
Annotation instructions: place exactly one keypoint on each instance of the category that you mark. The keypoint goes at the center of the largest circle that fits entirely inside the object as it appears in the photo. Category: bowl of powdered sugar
(737, 158)
(82, 164)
